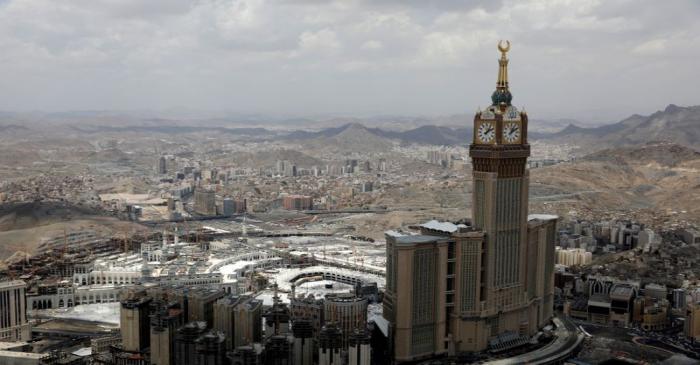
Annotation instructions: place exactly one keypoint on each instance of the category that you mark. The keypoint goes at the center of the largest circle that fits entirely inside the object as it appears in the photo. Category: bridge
(567, 343)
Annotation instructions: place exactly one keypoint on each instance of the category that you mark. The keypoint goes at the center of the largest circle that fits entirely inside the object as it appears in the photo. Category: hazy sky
(592, 60)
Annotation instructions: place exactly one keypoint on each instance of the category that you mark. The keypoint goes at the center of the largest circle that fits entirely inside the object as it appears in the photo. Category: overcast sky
(586, 59)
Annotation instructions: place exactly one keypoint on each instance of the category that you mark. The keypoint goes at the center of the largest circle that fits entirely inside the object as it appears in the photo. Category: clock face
(511, 132)
(486, 132)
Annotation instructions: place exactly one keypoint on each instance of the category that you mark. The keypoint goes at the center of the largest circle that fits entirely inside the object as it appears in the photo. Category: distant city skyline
(591, 60)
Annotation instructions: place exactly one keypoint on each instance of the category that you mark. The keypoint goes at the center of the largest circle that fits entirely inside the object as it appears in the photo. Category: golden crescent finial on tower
(504, 47)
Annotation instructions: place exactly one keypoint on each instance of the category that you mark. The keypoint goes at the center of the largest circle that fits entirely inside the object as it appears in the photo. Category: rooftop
(542, 217)
(442, 226)
(12, 284)
(622, 291)
(415, 239)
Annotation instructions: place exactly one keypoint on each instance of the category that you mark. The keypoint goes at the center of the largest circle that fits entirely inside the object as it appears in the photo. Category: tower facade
(499, 153)
(457, 288)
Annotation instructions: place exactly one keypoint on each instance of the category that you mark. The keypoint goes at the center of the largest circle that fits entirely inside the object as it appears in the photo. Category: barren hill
(658, 176)
(24, 226)
(675, 124)
(351, 138)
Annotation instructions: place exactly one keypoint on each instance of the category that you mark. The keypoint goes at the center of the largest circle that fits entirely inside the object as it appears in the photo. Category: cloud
(372, 44)
(422, 56)
(653, 46)
(323, 40)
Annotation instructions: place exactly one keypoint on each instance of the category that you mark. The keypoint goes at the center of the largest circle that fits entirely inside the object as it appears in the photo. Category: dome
(501, 96)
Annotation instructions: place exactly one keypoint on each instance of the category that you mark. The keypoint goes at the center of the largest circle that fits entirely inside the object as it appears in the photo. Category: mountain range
(674, 124)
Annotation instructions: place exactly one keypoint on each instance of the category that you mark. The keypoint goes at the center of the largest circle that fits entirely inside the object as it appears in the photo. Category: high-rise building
(205, 201)
(359, 352)
(307, 308)
(211, 349)
(692, 322)
(13, 312)
(164, 323)
(680, 298)
(457, 288)
(347, 311)
(186, 342)
(200, 304)
(303, 342)
(162, 167)
(239, 318)
(330, 345)
(135, 321)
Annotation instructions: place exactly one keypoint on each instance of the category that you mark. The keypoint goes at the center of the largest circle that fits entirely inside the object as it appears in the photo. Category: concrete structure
(205, 202)
(186, 342)
(162, 167)
(20, 358)
(200, 304)
(308, 308)
(231, 206)
(347, 311)
(101, 345)
(134, 321)
(330, 345)
(239, 318)
(303, 342)
(211, 349)
(457, 288)
(621, 304)
(573, 256)
(692, 322)
(679, 297)
(656, 291)
(359, 352)
(13, 312)
(164, 323)
(297, 202)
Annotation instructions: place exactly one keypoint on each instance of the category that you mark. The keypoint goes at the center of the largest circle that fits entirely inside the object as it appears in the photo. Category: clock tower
(499, 152)
(457, 288)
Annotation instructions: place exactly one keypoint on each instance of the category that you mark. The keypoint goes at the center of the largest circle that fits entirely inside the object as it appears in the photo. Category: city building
(458, 288)
(573, 256)
(303, 342)
(164, 323)
(134, 321)
(330, 345)
(239, 318)
(297, 202)
(13, 312)
(348, 312)
(186, 342)
(231, 206)
(204, 201)
(161, 167)
(200, 304)
(692, 322)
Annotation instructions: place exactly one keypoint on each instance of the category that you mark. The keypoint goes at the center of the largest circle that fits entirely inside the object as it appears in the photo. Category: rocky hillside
(675, 124)
(656, 176)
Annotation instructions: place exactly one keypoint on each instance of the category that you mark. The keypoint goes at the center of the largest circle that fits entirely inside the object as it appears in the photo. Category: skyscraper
(135, 321)
(456, 288)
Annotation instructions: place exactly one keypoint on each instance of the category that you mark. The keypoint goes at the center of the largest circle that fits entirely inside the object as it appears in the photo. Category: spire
(503, 65)
(502, 93)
